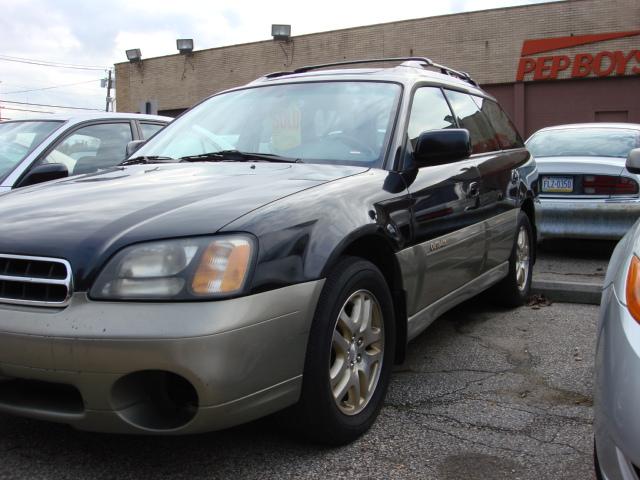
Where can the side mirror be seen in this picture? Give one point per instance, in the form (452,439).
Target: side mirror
(44,173)
(442,146)
(133,146)
(633,161)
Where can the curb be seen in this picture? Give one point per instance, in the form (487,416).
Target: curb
(568,292)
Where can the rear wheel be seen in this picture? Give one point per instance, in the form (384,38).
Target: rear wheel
(515,288)
(349,355)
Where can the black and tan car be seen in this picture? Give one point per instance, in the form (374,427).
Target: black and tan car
(273,249)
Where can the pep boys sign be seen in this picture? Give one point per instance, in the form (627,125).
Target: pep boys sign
(601,64)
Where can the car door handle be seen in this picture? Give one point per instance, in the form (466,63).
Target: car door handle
(473,190)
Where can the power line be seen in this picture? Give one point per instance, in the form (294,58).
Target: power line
(51,106)
(51,62)
(49,88)
(45,63)
(25,110)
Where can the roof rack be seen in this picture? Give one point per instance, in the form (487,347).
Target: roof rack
(407,61)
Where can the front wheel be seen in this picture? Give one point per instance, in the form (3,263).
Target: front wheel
(350,354)
(514,290)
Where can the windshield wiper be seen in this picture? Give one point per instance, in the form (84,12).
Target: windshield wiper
(147,159)
(238,156)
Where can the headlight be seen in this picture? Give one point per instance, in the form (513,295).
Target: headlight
(184,269)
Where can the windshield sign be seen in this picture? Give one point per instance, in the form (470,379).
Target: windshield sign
(583,142)
(319,122)
(19,139)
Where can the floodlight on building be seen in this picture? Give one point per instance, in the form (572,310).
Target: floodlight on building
(281,32)
(185,45)
(134,55)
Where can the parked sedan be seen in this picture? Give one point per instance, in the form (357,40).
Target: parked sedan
(585,189)
(617,384)
(34,151)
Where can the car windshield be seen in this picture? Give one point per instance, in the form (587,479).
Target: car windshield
(583,142)
(315,122)
(19,139)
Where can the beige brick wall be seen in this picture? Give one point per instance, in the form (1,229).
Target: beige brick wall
(487,44)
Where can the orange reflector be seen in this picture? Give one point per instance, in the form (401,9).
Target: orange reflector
(633,288)
(222,268)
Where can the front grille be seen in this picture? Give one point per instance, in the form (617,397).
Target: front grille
(36,281)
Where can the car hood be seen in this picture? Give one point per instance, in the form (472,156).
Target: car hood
(581,165)
(85,219)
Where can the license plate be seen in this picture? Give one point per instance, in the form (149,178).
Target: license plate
(557,184)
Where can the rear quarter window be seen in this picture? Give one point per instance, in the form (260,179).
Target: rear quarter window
(506,133)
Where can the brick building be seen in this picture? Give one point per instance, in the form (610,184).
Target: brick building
(567,61)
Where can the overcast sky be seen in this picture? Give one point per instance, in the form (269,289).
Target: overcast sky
(96,33)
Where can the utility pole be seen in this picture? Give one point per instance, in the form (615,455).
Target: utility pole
(108,91)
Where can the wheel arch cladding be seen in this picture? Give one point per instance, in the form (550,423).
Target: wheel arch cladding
(377,250)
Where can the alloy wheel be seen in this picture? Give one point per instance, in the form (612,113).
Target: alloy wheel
(357,351)
(522,258)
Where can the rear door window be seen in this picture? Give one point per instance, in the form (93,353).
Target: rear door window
(469,116)
(149,129)
(506,132)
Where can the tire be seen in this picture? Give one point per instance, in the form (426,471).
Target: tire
(321,415)
(513,290)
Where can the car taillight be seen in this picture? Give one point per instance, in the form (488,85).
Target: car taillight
(633,288)
(608,185)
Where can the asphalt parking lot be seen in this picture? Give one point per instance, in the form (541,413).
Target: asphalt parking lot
(484,394)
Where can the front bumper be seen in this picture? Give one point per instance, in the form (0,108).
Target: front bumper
(105,364)
(577,218)
(617,390)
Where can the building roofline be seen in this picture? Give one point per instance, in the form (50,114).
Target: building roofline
(359,27)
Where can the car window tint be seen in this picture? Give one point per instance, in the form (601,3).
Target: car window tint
(506,132)
(149,129)
(429,111)
(483,137)
(92,147)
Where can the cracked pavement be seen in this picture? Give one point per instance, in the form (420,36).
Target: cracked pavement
(569,261)
(485,393)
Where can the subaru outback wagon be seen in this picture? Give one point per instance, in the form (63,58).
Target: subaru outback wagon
(273,249)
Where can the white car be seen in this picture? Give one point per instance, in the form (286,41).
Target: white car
(38,150)
(585,189)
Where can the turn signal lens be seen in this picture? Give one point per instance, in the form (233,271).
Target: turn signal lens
(223,267)
(633,288)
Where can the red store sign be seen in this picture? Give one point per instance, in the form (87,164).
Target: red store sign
(601,64)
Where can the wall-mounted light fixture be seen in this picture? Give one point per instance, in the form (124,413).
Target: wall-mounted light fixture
(281,32)
(185,45)
(134,55)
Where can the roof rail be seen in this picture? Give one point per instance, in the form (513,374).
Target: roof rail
(421,61)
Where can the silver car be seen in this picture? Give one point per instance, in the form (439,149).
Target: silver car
(617,383)
(585,189)
(37,150)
